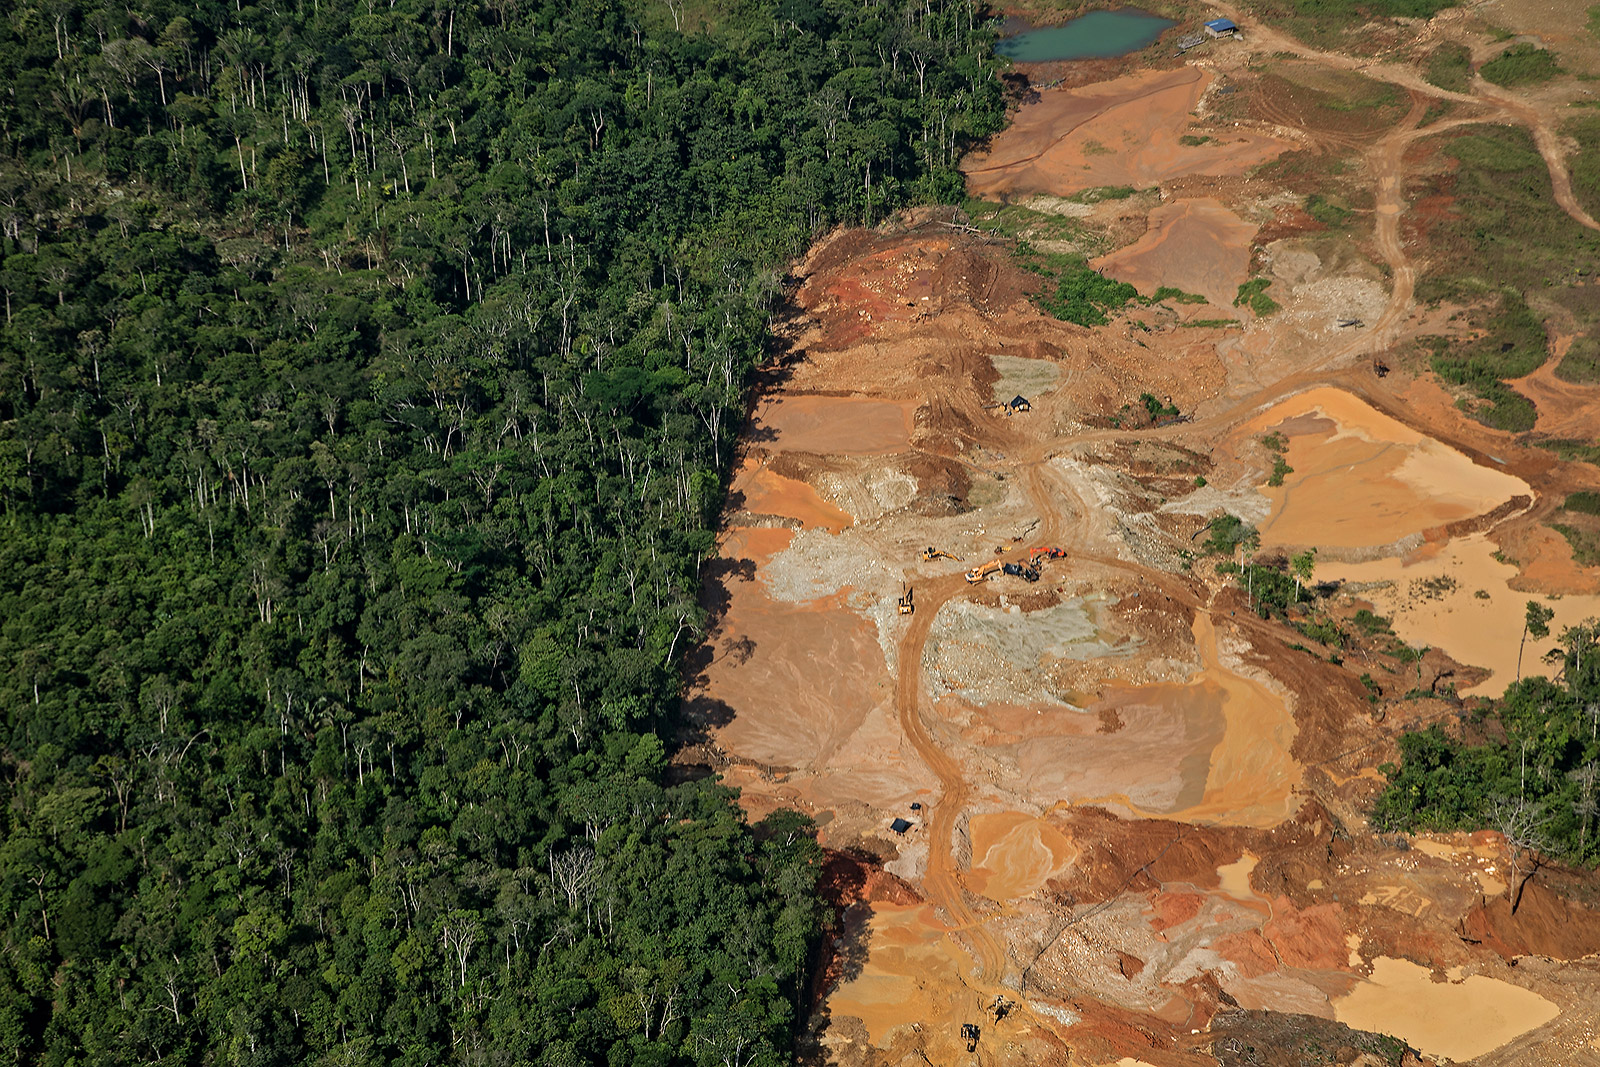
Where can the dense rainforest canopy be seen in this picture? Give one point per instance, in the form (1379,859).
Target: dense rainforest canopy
(367,384)
(1527,765)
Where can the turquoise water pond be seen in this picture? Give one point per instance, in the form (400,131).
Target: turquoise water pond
(1092,36)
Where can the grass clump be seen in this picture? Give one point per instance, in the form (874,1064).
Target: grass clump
(1449,67)
(1192,140)
(1573,451)
(1372,624)
(1156,408)
(1581,364)
(1585,542)
(1585,502)
(1326,211)
(1077,293)
(1168,292)
(1102,193)
(1584,164)
(1521,64)
(1253,294)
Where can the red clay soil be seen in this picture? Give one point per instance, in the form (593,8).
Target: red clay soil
(1545,924)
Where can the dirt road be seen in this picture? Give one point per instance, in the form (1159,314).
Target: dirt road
(1186,760)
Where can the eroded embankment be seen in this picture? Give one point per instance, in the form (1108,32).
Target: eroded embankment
(1127,805)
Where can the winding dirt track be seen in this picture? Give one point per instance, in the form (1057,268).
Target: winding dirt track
(1483,93)
(943,881)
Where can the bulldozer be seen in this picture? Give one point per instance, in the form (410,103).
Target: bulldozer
(930,554)
(905,603)
(971,1032)
(981,572)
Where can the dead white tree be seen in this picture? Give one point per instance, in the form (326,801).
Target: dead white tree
(1521,822)
(458,933)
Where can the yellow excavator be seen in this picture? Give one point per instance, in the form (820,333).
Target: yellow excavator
(905,603)
(981,572)
(930,554)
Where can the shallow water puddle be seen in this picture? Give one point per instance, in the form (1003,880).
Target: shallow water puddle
(1433,599)
(1014,853)
(1362,480)
(1252,774)
(1240,775)
(1234,878)
(1458,1020)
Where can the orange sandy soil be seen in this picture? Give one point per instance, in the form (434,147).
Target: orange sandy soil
(1140,828)
(1124,132)
(1196,245)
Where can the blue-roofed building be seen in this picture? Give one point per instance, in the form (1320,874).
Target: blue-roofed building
(1221,28)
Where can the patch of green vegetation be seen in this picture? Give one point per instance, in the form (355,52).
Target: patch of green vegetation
(1506,233)
(1584,164)
(1213,323)
(1271,589)
(1369,96)
(1436,111)
(1449,67)
(1585,502)
(1348,9)
(1594,21)
(1156,408)
(1167,292)
(1229,532)
(1199,481)
(1326,211)
(1513,345)
(1277,444)
(1091,147)
(1014,220)
(1585,542)
(1102,193)
(1077,294)
(1193,140)
(1371,624)
(1322,629)
(1581,364)
(1485,151)
(1404,652)
(1521,64)
(1253,294)
(1484,777)
(1573,451)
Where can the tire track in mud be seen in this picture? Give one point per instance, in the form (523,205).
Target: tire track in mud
(942,882)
